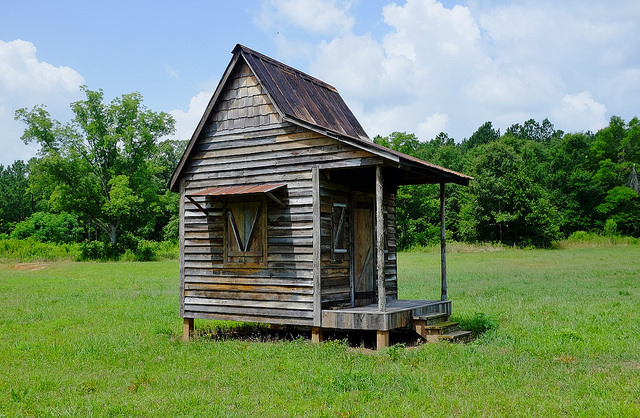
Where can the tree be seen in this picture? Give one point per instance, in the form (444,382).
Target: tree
(608,142)
(534,131)
(16,203)
(622,205)
(102,162)
(630,151)
(504,203)
(399,141)
(485,134)
(633,182)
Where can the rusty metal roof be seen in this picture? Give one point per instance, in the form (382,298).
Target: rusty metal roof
(315,105)
(239,190)
(302,97)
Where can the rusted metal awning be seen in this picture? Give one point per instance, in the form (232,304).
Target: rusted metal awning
(237,190)
(221,191)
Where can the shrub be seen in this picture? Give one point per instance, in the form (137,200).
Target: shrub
(94,250)
(146,251)
(49,227)
(589,239)
(610,228)
(171,230)
(580,236)
(168,250)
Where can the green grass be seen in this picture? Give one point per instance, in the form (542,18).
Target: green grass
(82,339)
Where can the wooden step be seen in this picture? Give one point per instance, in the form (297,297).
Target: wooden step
(432,318)
(426,329)
(441,325)
(456,336)
(452,336)
(440,328)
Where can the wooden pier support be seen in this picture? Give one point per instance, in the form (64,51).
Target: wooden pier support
(382,339)
(187,329)
(316,335)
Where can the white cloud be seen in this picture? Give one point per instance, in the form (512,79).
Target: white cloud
(454,68)
(580,112)
(171,72)
(20,71)
(186,122)
(323,17)
(26,81)
(433,125)
(409,75)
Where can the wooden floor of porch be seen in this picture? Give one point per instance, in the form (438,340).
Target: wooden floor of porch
(398,314)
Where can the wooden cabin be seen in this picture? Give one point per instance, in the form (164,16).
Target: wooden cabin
(287,209)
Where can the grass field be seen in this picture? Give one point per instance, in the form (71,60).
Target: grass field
(101,339)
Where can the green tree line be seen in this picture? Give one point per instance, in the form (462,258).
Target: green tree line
(102,177)
(532,185)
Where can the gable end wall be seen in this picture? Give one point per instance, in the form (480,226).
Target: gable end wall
(245,142)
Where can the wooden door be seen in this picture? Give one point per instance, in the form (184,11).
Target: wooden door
(363,261)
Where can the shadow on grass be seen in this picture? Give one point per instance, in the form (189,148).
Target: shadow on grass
(255,332)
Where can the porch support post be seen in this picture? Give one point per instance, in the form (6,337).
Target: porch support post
(317,282)
(443,248)
(382,296)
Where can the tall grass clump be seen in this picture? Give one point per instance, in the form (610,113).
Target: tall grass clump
(31,250)
(584,239)
(455,247)
(478,323)
(152,251)
(28,250)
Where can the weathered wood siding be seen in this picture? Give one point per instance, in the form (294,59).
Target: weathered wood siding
(245,142)
(390,259)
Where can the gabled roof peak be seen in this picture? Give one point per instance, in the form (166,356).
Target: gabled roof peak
(300,98)
(283,67)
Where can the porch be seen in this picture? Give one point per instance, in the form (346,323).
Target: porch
(379,310)
(428,318)
(399,314)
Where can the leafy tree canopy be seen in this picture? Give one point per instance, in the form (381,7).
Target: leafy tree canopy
(101,163)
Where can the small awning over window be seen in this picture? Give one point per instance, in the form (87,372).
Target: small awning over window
(266,189)
(239,190)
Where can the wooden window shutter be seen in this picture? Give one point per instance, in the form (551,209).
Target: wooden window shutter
(338,231)
(245,232)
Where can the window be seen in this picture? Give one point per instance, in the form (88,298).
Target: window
(245,232)
(338,232)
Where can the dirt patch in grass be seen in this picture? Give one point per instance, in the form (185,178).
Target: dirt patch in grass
(633,365)
(30,266)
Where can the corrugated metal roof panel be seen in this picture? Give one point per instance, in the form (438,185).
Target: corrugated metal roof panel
(239,190)
(302,96)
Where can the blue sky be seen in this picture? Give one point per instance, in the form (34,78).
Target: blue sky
(420,66)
